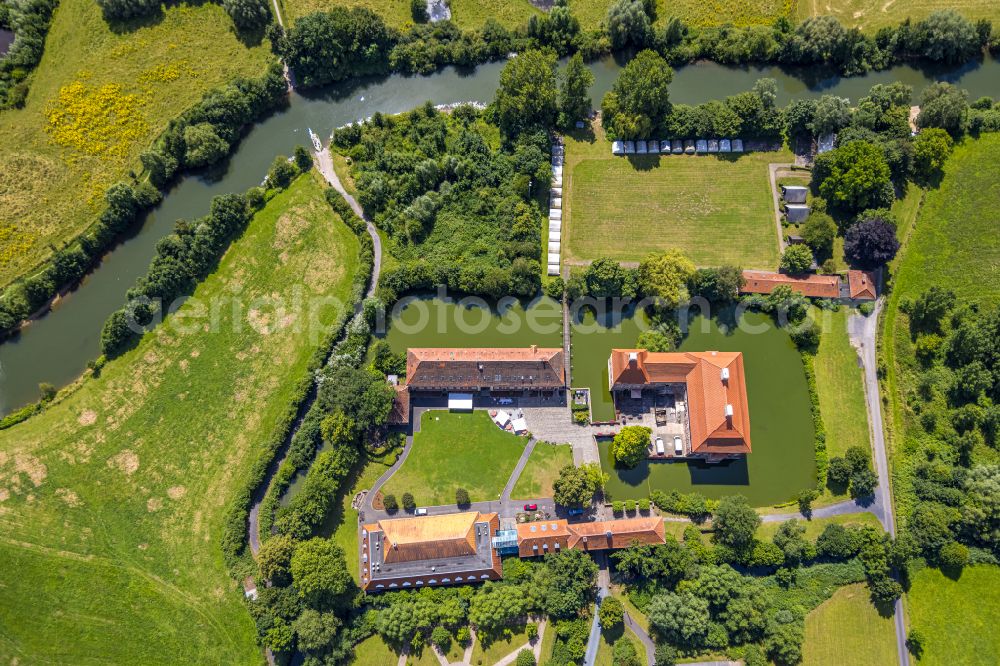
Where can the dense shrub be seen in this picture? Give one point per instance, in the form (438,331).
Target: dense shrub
(29,20)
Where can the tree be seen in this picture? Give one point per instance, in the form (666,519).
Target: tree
(319,571)
(280,636)
(441,637)
(719,586)
(838,472)
(915,642)
(574,91)
(930,151)
(493,606)
(462,497)
(819,233)
(573,487)
(929,309)
(831,114)
(525,657)
(390,503)
(863,483)
(735,522)
(605,278)
(315,630)
(837,542)
(610,613)
(399,621)
(282,173)
(203,145)
(665,277)
(665,655)
(248,14)
(630,445)
(274,558)
(805,499)
(682,619)
(526,98)
(623,653)
(639,101)
(418,11)
(719,285)
(870,243)
(945,106)
(655,341)
(324,47)
(628,24)
(953,555)
(796,259)
(784,642)
(409,504)
(122,10)
(790,538)
(854,177)
(798,117)
(564,583)
(949,37)
(303,160)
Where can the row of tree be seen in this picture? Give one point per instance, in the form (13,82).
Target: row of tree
(248,16)
(29,20)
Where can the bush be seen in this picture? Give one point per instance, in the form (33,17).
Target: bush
(441,638)
(617,507)
(390,503)
(409,504)
(866,308)
(953,555)
(462,497)
(581,417)
(532,631)
(611,613)
(525,658)
(644,504)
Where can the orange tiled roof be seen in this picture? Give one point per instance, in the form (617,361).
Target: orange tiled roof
(861,285)
(411,539)
(813,286)
(708,394)
(499,368)
(400,413)
(539,538)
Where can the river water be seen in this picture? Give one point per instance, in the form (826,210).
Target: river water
(57,347)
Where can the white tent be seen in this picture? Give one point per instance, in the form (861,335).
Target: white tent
(713,146)
(553,269)
(520,425)
(460,402)
(556,202)
(640,147)
(701,146)
(725,146)
(557,170)
(555,225)
(554,247)
(653,146)
(737,145)
(555,214)
(502,418)
(617,147)
(553,258)
(629,147)
(554,236)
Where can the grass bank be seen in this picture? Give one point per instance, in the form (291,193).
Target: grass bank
(112,501)
(847,630)
(870,15)
(718,209)
(453,451)
(98,98)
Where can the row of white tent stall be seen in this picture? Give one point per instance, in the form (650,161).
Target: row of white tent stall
(676,147)
(555,208)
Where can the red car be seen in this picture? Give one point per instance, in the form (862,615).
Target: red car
(530,507)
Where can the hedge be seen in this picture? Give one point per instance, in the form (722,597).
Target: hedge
(822,460)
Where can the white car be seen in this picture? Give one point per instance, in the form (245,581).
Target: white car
(659,446)
(678,445)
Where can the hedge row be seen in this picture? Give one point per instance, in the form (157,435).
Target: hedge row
(822,460)
(30,23)
(201,135)
(234,539)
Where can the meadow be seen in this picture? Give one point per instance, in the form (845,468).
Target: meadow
(467,14)
(98,98)
(715,208)
(847,630)
(112,501)
(870,15)
(452,451)
(542,470)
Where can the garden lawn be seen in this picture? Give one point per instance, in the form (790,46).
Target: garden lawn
(501,646)
(542,469)
(957,618)
(815,527)
(870,15)
(847,630)
(454,451)
(716,209)
(374,652)
(840,387)
(605,649)
(120,89)
(112,500)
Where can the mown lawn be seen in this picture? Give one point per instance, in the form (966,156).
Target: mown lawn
(542,469)
(605,649)
(119,88)
(717,209)
(714,12)
(816,526)
(847,630)
(957,618)
(454,451)
(840,387)
(500,646)
(870,15)
(112,500)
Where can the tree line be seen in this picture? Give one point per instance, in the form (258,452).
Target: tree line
(29,20)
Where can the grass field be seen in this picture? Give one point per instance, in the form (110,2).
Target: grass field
(112,500)
(500,646)
(542,469)
(848,631)
(957,617)
(717,209)
(840,387)
(454,451)
(816,526)
(870,15)
(467,14)
(119,89)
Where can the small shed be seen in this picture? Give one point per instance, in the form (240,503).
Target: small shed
(796,213)
(553,258)
(826,142)
(701,146)
(737,145)
(713,146)
(630,148)
(794,194)
(677,146)
(653,147)
(617,147)
(689,147)
(555,214)
(555,225)
(725,146)
(664,146)
(557,191)
(553,269)
(555,236)
(460,402)
(796,240)
(640,147)
(520,426)
(557,170)
(553,247)
(556,202)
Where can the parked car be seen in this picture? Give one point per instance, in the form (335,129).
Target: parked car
(660,450)
(421,512)
(531,507)
(678,445)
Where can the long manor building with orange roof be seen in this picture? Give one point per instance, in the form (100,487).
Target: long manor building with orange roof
(705,392)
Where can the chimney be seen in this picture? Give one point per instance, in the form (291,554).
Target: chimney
(633,359)
(725,374)
(729,415)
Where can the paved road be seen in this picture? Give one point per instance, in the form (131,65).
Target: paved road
(603,590)
(863,331)
(647,643)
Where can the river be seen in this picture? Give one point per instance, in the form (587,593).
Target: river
(56,348)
